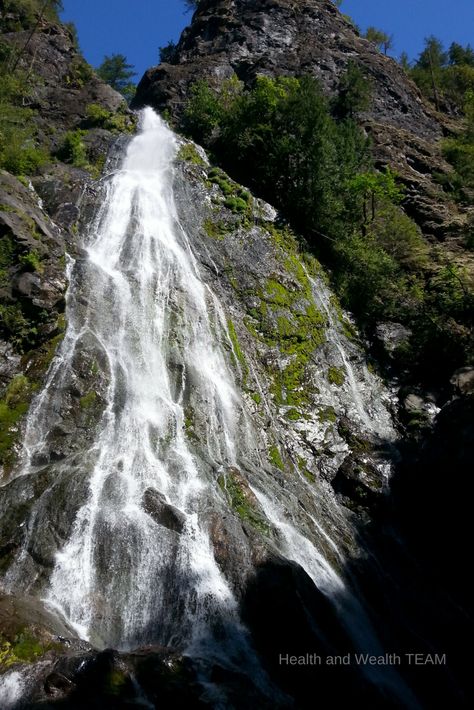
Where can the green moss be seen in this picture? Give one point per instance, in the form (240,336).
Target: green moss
(89,400)
(336,376)
(190,154)
(115,682)
(256,397)
(306,473)
(189,423)
(244,195)
(241,500)
(236,205)
(328,414)
(277,294)
(24,648)
(293,415)
(275,457)
(226,187)
(13,407)
(215,230)
(237,351)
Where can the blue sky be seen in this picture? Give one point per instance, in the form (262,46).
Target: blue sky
(137,28)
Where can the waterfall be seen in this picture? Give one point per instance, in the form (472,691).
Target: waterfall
(364,396)
(134,563)
(124,578)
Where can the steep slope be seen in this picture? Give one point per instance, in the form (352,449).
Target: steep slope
(184,452)
(284,37)
(204,470)
(54,89)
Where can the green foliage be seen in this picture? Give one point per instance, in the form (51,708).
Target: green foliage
(167,53)
(203,113)
(100,117)
(445,77)
(459,152)
(23,14)
(73,149)
(80,72)
(353,94)
(31,261)
(381,39)
(309,157)
(116,72)
(19,152)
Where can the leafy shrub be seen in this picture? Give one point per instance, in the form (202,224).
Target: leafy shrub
(73,149)
(19,153)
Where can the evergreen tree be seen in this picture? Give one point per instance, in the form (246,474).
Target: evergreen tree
(116,72)
(381,39)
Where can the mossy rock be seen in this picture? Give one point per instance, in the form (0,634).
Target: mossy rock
(336,376)
(190,154)
(13,408)
(275,457)
(242,500)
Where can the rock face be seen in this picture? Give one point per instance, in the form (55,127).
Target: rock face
(290,520)
(40,216)
(297,37)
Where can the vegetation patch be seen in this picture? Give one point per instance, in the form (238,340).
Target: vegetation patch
(327,414)
(119,122)
(308,156)
(336,376)
(190,154)
(236,349)
(275,457)
(24,648)
(88,400)
(13,407)
(242,500)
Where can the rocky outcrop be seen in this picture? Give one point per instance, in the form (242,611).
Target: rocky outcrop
(67,84)
(284,37)
(40,215)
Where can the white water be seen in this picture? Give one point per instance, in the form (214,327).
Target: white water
(123,579)
(11,690)
(367,402)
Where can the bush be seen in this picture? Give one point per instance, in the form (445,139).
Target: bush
(19,153)
(73,149)
(309,158)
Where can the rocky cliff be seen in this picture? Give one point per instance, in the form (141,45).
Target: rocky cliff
(39,213)
(301,525)
(293,38)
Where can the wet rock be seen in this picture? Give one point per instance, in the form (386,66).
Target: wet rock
(414,404)
(463,380)
(392,336)
(155,505)
(360,484)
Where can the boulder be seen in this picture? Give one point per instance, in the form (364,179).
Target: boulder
(155,505)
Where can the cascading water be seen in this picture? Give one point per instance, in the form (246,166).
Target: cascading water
(121,579)
(136,564)
(368,401)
